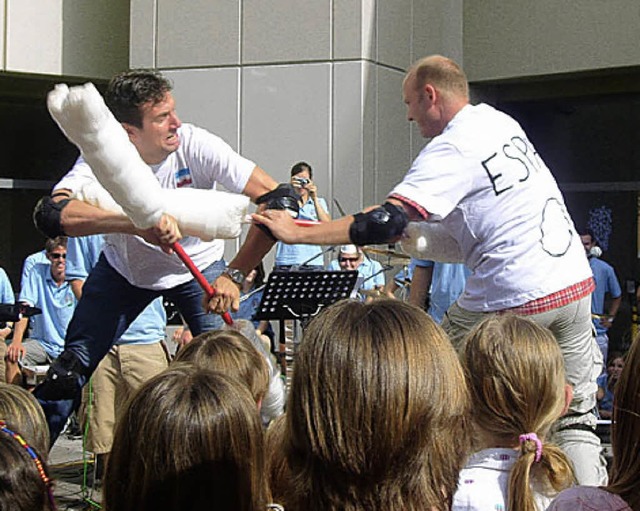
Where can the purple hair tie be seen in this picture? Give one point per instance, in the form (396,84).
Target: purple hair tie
(533,437)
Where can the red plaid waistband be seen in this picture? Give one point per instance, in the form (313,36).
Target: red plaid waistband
(555,300)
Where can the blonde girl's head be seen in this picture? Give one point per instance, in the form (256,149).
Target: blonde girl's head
(516,376)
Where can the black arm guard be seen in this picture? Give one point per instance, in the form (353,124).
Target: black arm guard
(381,225)
(46,216)
(283,197)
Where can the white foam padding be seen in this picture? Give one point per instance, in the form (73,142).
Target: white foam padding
(127,184)
(207,214)
(430,240)
(87,122)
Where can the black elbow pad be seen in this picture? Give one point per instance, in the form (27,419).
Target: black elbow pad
(383,224)
(46,216)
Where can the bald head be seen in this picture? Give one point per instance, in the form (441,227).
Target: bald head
(434,90)
(441,72)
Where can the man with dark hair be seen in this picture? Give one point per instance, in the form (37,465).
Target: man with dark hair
(606,284)
(137,265)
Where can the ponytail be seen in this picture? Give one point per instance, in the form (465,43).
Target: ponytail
(549,466)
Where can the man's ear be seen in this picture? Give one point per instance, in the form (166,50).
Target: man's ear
(568,397)
(130,129)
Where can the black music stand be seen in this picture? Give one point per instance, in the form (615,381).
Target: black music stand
(300,295)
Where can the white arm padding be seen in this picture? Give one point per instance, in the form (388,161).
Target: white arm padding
(430,240)
(83,117)
(207,214)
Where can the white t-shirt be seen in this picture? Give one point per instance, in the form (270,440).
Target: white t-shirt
(483,482)
(202,161)
(483,179)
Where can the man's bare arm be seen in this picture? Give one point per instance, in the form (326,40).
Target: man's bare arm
(79,218)
(334,232)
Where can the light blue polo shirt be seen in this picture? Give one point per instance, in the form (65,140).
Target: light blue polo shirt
(6,291)
(606,282)
(82,255)
(447,284)
(57,304)
(367,268)
(302,253)
(29,262)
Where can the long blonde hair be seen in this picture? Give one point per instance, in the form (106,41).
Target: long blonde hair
(229,352)
(516,376)
(377,413)
(190,438)
(624,477)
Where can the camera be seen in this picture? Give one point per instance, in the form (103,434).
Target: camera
(301,181)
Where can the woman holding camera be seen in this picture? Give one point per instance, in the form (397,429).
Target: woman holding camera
(312,207)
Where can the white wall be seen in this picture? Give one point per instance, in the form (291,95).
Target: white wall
(65,37)
(523,38)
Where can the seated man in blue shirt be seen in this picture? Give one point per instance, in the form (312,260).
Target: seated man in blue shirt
(47,288)
(370,272)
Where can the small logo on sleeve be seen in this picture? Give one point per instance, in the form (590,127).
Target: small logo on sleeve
(183,177)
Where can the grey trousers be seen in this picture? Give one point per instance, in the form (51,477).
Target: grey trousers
(573,329)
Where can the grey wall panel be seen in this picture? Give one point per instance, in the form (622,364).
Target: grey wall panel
(525,38)
(393,134)
(354,29)
(286,30)
(204,34)
(142,32)
(347,136)
(437,28)
(394,33)
(209,98)
(286,118)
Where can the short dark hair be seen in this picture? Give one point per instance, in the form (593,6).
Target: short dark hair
(588,232)
(301,166)
(128,91)
(51,243)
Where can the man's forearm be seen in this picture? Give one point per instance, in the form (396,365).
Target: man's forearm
(254,248)
(334,232)
(19,330)
(80,219)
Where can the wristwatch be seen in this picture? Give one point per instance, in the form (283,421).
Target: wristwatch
(236,275)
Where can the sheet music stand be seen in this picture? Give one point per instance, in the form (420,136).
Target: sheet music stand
(300,295)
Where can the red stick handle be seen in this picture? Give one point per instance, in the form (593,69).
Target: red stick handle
(197,274)
(306,223)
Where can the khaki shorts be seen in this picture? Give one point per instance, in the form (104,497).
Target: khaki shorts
(125,368)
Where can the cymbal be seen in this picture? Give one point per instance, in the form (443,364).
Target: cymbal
(386,252)
(373,294)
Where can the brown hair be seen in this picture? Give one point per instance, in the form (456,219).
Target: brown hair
(377,412)
(51,243)
(516,377)
(624,476)
(278,474)
(20,410)
(441,72)
(22,486)
(232,353)
(190,437)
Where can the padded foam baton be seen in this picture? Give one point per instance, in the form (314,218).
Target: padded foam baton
(197,274)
